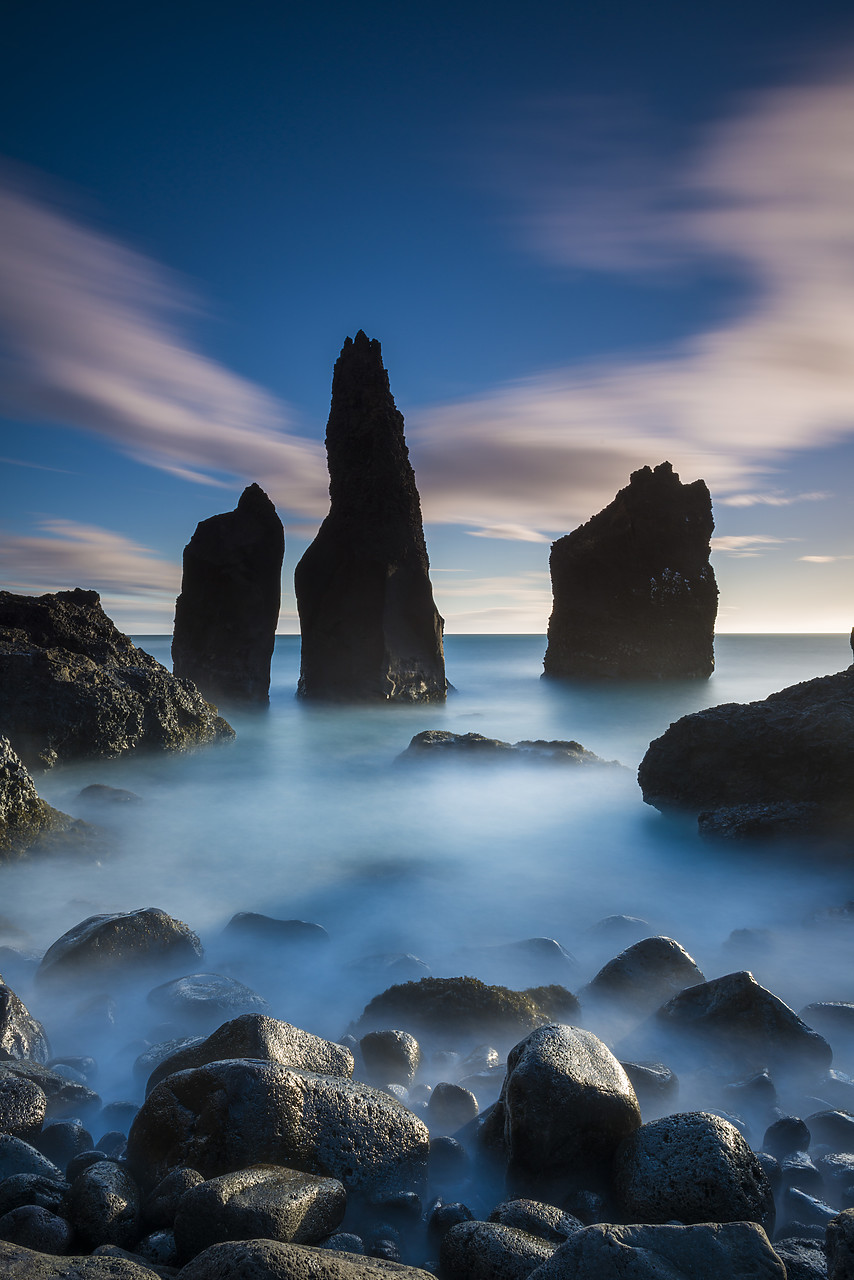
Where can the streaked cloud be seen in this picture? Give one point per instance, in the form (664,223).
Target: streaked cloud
(746,544)
(771,499)
(90,339)
(68,554)
(509,533)
(824,559)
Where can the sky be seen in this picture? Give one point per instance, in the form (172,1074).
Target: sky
(589,238)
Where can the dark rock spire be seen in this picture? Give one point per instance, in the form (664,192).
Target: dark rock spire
(226,614)
(634,594)
(370,629)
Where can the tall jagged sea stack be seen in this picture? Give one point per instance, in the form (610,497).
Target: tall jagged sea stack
(370,629)
(635,596)
(226,614)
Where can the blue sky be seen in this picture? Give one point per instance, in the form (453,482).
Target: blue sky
(588,237)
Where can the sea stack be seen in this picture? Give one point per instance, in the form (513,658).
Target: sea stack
(226,614)
(635,596)
(370,629)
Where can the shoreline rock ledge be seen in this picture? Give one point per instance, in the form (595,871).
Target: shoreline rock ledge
(635,596)
(370,629)
(73,687)
(226,614)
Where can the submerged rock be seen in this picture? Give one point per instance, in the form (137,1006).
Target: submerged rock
(73,687)
(147,938)
(643,976)
(783,764)
(634,594)
(441,744)
(226,614)
(370,629)
(29,824)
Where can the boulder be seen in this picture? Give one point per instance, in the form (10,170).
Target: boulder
(64,1097)
(161,1206)
(803,1258)
(22,1107)
(449,1107)
(36,1228)
(370,630)
(147,938)
(202,1000)
(441,744)
(466,1010)
(655,1085)
(537,1218)
(265,1201)
(839,1240)
(21,1036)
(226,614)
(228,1115)
(104,1206)
(692,1166)
(491,1251)
(255,927)
(566,1105)
(254,1035)
(29,824)
(643,976)
(743,1025)
(635,596)
(33,1189)
(274,1260)
(710,1251)
(72,687)
(787,760)
(17,1156)
(20,1263)
(390,1056)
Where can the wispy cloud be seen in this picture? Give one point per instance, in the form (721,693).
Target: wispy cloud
(767,192)
(746,544)
(68,554)
(775,499)
(90,339)
(509,533)
(824,559)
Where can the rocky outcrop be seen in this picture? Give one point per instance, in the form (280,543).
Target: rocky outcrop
(73,687)
(780,765)
(441,744)
(635,597)
(226,614)
(29,824)
(370,629)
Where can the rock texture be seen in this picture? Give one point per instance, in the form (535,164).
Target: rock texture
(29,824)
(146,938)
(441,744)
(370,629)
(634,594)
(73,687)
(737,1250)
(790,756)
(226,614)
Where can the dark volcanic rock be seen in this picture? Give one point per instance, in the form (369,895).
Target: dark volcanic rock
(634,594)
(21,1036)
(370,629)
(73,687)
(226,614)
(29,824)
(440,744)
(708,1251)
(782,764)
(146,938)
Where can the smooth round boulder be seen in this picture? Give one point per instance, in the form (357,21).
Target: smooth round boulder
(202,1000)
(567,1104)
(23,1106)
(159,1210)
(544,1220)
(257,928)
(35,1189)
(449,1107)
(37,1228)
(491,1251)
(274,1260)
(17,1156)
(62,1140)
(101,944)
(229,1115)
(708,1251)
(263,1202)
(643,976)
(254,1035)
(103,1206)
(21,1035)
(693,1167)
(64,1097)
(390,1056)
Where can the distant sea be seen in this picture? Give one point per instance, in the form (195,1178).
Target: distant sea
(307,815)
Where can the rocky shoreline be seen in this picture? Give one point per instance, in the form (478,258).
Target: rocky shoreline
(656,1122)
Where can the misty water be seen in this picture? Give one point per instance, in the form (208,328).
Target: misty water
(308,815)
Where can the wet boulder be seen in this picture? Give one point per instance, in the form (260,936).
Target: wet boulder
(202,1000)
(643,976)
(129,940)
(546,1221)
(566,1105)
(64,1097)
(441,744)
(449,1107)
(160,1207)
(226,614)
(390,1056)
(29,824)
(275,1260)
(464,1010)
(655,1085)
(692,1166)
(22,1107)
(254,1035)
(736,1021)
(707,1251)
(36,1228)
(265,1201)
(634,593)
(228,1115)
(794,748)
(104,1206)
(21,1035)
(17,1156)
(370,630)
(839,1239)
(46,1191)
(19,1263)
(253,927)
(491,1251)
(73,687)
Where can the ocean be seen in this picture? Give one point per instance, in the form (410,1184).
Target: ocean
(309,815)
